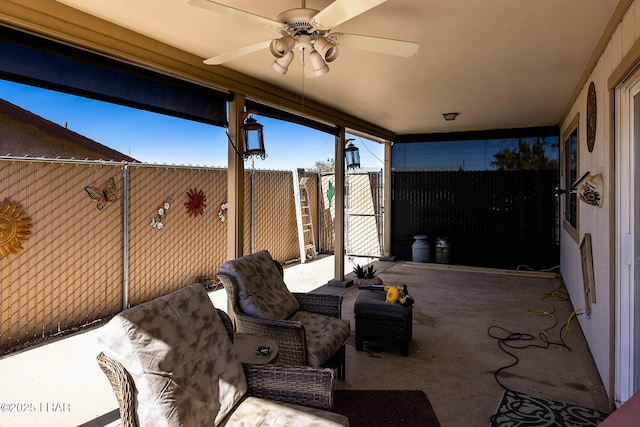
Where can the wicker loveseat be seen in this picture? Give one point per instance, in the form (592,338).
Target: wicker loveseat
(307,327)
(171,362)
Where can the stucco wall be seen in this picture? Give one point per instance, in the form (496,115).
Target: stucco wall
(600,222)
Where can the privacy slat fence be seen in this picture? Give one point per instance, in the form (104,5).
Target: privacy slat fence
(501,219)
(327,212)
(364,214)
(363,217)
(74,266)
(274,217)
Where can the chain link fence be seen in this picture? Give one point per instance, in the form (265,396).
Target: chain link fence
(81,264)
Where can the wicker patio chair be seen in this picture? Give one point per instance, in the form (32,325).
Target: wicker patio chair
(307,327)
(122,383)
(309,388)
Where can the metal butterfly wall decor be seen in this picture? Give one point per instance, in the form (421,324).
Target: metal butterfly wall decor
(102,196)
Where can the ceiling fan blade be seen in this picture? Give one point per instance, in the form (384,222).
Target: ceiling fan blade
(225,57)
(342,10)
(231,11)
(376,44)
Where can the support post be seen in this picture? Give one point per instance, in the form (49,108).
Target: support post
(235,181)
(339,166)
(386,220)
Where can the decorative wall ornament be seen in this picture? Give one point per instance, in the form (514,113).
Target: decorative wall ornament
(588,278)
(330,192)
(592,116)
(161,212)
(196,203)
(590,190)
(222,213)
(15,226)
(102,196)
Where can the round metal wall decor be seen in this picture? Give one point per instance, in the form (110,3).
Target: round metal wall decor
(592,115)
(15,227)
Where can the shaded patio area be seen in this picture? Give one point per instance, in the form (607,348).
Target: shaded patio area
(452,358)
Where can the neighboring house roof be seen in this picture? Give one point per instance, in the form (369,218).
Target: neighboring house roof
(70,144)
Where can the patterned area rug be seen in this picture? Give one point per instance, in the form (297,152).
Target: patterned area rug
(519,409)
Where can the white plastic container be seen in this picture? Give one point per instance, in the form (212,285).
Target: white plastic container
(421,249)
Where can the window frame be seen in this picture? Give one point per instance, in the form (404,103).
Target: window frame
(567,179)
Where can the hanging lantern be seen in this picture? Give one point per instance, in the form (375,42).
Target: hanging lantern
(352,155)
(253,139)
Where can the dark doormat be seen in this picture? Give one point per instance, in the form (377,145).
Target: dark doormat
(519,409)
(373,408)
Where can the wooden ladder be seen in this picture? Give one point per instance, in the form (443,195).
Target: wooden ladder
(306,236)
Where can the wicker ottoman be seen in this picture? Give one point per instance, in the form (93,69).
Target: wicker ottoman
(379,321)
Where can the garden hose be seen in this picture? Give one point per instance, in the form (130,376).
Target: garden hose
(509,341)
(559,294)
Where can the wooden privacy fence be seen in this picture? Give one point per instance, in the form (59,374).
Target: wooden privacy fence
(80,263)
(499,219)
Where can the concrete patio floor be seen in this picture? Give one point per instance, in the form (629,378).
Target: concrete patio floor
(451,357)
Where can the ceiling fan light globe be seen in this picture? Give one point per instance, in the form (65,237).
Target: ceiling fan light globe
(280,47)
(332,54)
(317,64)
(328,50)
(281,65)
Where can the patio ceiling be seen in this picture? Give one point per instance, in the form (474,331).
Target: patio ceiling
(498,63)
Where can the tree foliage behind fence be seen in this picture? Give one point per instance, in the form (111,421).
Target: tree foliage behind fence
(499,219)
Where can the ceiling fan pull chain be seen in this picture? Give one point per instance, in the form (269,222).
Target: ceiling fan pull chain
(303,79)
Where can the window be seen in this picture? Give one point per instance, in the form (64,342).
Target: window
(570,174)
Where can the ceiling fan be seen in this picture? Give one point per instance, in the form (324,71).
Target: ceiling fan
(309,31)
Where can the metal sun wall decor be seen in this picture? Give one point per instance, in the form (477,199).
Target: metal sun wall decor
(15,226)
(196,202)
(158,220)
(102,196)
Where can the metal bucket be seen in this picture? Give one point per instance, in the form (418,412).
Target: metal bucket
(420,249)
(443,255)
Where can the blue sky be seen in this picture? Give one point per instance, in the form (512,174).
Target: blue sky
(156,138)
